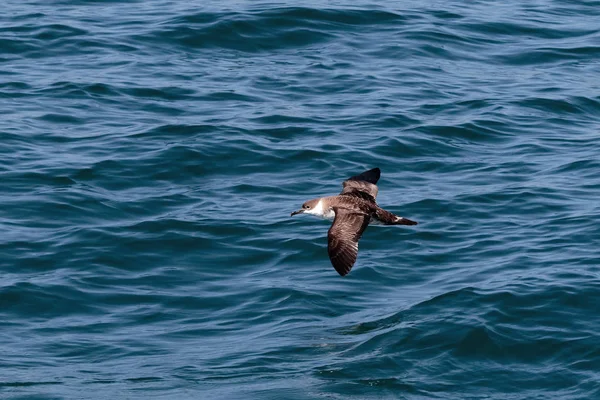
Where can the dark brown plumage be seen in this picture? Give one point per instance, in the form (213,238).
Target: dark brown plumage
(352,211)
(343,236)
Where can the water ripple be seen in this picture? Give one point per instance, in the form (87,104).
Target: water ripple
(152,154)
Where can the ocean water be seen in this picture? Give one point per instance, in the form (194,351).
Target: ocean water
(151,153)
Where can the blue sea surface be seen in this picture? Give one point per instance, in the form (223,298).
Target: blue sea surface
(151,153)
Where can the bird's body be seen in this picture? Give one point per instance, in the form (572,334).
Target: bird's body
(378,216)
(351,211)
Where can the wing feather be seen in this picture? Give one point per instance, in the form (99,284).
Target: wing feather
(363,185)
(343,236)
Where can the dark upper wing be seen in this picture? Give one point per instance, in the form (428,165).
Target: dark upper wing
(342,239)
(363,185)
(371,176)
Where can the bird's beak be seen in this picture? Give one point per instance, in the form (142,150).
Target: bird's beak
(296,212)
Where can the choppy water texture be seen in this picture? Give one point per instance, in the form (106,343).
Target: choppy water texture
(151,153)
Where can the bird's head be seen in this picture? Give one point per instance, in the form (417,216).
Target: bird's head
(309,207)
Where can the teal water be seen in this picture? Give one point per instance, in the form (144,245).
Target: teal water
(151,153)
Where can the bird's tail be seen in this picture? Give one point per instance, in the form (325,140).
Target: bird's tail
(404,221)
(389,218)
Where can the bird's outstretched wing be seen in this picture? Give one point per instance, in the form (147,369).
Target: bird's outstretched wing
(363,185)
(342,238)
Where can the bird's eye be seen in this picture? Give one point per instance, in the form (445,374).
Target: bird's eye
(306,207)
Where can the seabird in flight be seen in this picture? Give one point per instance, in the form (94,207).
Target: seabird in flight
(351,211)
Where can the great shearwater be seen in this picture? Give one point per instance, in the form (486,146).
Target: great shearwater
(351,211)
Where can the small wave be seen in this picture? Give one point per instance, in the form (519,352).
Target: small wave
(552,55)
(268,30)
